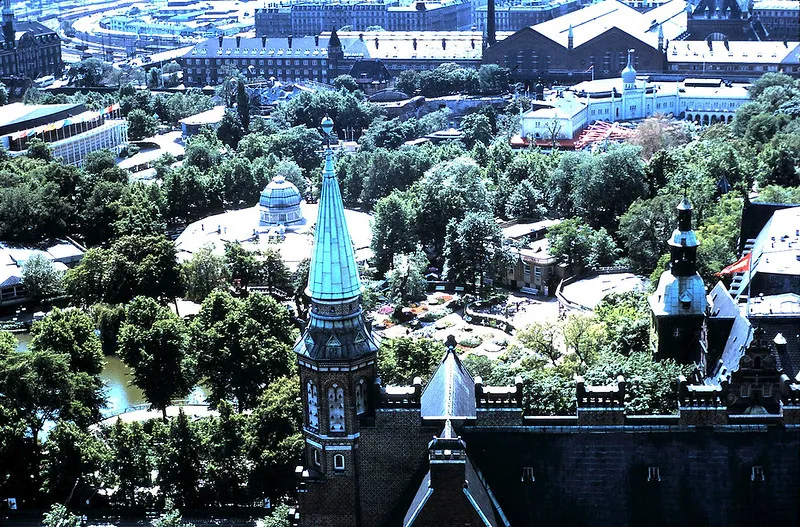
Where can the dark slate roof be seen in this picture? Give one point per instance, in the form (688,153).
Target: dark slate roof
(738,340)
(420,499)
(722,304)
(36,28)
(478,494)
(369,70)
(450,394)
(475,490)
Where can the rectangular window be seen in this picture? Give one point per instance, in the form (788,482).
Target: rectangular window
(526,270)
(653,474)
(537,274)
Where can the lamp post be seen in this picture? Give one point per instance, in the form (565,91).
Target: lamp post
(327,128)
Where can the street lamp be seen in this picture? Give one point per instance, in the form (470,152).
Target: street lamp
(327,128)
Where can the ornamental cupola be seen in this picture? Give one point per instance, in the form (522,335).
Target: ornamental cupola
(679,302)
(629,74)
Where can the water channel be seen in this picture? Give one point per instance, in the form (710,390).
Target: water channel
(120,393)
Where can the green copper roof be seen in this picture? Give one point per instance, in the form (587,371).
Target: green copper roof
(334,274)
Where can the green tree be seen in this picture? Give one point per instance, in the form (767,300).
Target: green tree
(70,332)
(40,278)
(243,106)
(493,78)
(141,125)
(59,516)
(129,464)
(230,129)
(345,82)
(153,342)
(273,440)
(38,149)
(577,245)
(203,273)
(407,277)
(391,231)
(582,336)
(625,319)
(242,265)
(542,338)
(241,346)
(179,461)
(171,517)
(476,129)
(471,247)
(645,228)
(227,467)
(402,359)
(72,458)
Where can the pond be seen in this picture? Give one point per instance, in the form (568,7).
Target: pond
(120,393)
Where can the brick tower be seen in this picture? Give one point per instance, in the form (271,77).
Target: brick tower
(679,302)
(336,358)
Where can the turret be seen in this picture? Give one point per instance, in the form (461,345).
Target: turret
(336,361)
(8,23)
(679,302)
(629,74)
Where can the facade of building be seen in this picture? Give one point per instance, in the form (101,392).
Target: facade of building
(780,18)
(63,254)
(367,56)
(28,49)
(312,18)
(592,42)
(535,269)
(703,101)
(71,131)
(733,59)
(285,59)
(461,453)
(513,17)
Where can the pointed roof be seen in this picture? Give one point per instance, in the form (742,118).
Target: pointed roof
(450,394)
(334,273)
(334,41)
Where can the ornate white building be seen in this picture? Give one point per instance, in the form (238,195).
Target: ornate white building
(704,101)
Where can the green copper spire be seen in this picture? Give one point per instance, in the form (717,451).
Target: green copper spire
(334,273)
(336,329)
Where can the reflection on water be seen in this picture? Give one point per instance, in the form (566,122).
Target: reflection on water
(120,393)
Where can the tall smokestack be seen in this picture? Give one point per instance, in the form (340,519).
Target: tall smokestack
(491,32)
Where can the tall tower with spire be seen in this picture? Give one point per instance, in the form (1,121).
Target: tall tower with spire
(336,357)
(8,23)
(679,302)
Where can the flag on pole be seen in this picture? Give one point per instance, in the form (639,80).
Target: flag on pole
(740,266)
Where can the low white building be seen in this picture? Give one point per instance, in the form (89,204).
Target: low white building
(704,101)
(62,253)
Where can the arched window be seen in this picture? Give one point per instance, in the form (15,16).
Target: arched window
(317,460)
(361,397)
(336,408)
(338,462)
(313,406)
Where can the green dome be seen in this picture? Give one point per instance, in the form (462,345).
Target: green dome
(280,203)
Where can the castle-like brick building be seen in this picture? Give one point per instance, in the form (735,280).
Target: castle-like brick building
(461,453)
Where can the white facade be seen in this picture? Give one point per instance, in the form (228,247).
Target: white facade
(704,101)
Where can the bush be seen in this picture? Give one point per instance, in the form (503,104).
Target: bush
(434,315)
(472,341)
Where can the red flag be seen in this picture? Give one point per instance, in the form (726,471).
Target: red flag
(741,265)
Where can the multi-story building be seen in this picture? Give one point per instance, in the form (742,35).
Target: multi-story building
(286,59)
(780,18)
(324,57)
(591,42)
(733,59)
(515,16)
(312,18)
(28,49)
(458,452)
(71,131)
